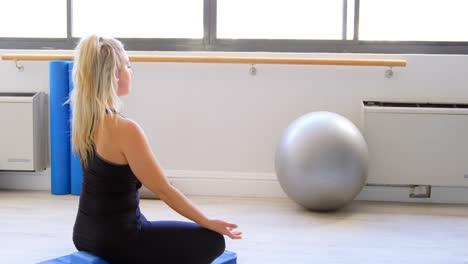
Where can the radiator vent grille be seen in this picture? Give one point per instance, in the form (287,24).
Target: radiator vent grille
(415,105)
(17,94)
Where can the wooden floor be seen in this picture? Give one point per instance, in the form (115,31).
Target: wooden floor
(35,226)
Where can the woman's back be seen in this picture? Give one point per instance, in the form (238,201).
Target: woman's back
(108,212)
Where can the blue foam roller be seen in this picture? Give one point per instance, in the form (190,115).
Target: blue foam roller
(83,257)
(76,174)
(59,127)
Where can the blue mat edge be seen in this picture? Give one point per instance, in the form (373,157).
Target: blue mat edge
(228,257)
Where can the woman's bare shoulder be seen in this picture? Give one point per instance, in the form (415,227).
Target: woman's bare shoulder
(132,140)
(129,130)
(125,124)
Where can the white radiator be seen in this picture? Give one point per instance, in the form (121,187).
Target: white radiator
(417,144)
(23,136)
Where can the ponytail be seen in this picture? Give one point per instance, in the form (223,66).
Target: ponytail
(97,60)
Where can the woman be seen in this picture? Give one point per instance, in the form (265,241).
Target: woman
(116,160)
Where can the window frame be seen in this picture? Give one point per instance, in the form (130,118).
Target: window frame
(210,42)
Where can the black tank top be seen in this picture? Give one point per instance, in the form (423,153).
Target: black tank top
(108,212)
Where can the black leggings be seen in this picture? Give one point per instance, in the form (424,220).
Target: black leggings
(161,242)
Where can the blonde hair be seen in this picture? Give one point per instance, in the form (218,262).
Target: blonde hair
(97,61)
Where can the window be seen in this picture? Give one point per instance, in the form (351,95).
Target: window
(138,18)
(351,26)
(33,19)
(415,20)
(279,19)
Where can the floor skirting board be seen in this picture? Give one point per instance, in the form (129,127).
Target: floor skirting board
(243,184)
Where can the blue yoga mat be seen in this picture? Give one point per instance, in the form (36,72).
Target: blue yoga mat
(76,174)
(83,257)
(59,127)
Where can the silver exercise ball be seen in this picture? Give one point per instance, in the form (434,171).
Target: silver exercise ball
(321,161)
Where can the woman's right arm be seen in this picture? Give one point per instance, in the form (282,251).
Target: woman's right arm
(135,147)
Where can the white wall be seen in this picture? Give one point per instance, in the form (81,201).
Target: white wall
(214,127)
